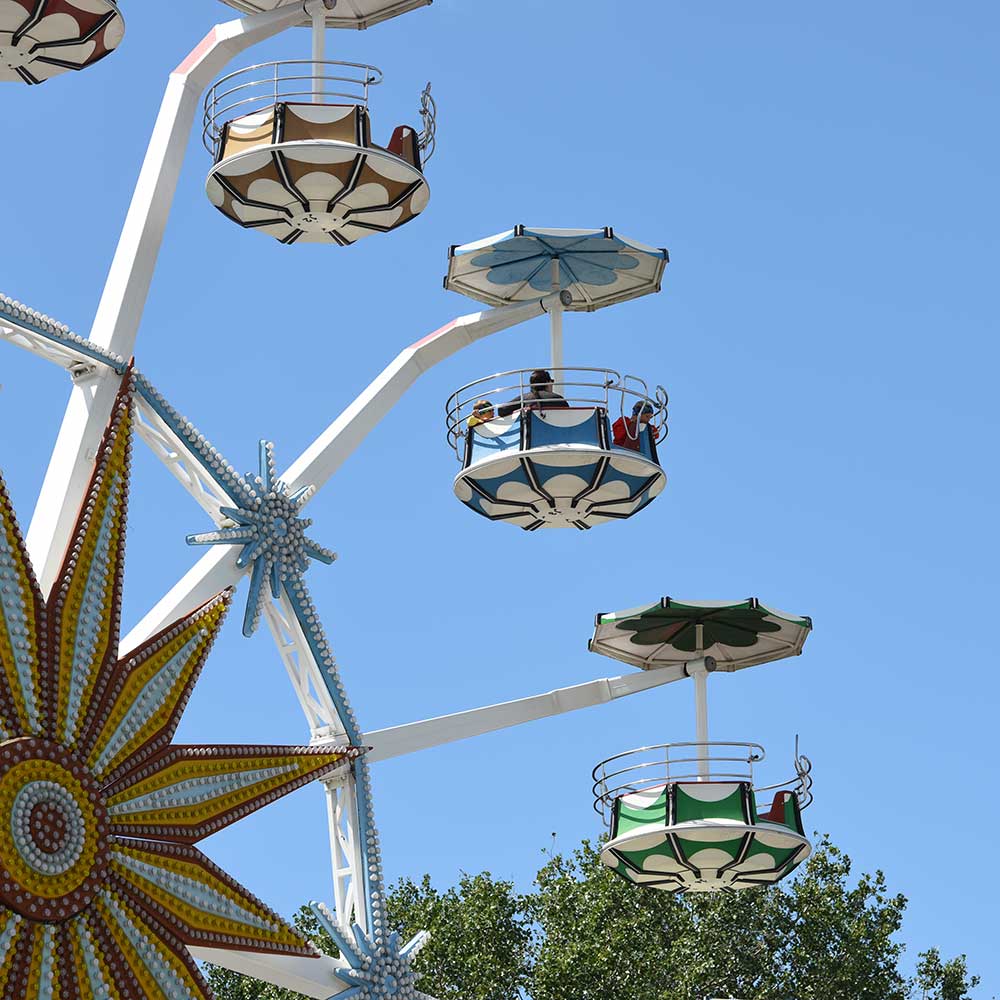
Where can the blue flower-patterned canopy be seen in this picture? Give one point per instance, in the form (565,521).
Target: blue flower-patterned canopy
(596,266)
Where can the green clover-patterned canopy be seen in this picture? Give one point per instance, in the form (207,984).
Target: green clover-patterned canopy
(675,632)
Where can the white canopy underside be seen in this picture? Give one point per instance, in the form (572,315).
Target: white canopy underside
(496,271)
(346,14)
(615,634)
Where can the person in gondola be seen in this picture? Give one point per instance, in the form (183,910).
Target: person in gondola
(540,396)
(625,431)
(482,413)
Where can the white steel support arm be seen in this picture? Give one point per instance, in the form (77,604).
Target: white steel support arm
(400,740)
(217,569)
(335,445)
(312,977)
(123,301)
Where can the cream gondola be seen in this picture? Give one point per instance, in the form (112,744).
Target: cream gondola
(40,39)
(295,154)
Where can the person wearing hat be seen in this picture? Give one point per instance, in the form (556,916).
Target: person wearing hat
(539,397)
(482,412)
(626,430)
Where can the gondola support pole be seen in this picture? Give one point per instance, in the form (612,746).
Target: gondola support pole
(557,328)
(318,52)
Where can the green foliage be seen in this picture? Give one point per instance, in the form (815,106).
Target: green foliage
(584,934)
(939,980)
(840,939)
(481,937)
(588,921)
(228,985)
(816,938)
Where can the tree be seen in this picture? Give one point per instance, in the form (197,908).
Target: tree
(584,934)
(481,937)
(480,945)
(939,980)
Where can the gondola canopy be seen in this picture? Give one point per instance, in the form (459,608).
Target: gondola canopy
(596,266)
(674,632)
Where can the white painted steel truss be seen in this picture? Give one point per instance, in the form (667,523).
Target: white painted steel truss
(34,332)
(345,847)
(180,462)
(303,671)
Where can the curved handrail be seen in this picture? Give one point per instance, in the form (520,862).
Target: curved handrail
(427,140)
(653,766)
(272,84)
(580,387)
(801,784)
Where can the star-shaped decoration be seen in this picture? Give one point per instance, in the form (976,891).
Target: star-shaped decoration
(101,888)
(273,536)
(380,967)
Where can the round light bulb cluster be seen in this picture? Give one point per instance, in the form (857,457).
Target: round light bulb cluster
(48,826)
(54,831)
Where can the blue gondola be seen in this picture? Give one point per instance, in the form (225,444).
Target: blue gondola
(537,465)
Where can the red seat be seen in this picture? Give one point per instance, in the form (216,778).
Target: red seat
(406,145)
(776,814)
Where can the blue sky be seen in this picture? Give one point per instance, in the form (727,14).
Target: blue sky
(825,178)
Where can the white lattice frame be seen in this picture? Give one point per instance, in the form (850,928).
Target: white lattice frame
(345,847)
(304,673)
(79,365)
(183,464)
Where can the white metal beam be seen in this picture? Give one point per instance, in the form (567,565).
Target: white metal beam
(120,311)
(400,740)
(335,445)
(217,569)
(312,977)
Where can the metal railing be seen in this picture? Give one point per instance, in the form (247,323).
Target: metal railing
(259,87)
(652,767)
(427,139)
(801,784)
(579,387)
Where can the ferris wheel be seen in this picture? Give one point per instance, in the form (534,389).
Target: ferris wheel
(104,892)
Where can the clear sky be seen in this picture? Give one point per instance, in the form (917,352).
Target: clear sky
(825,178)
